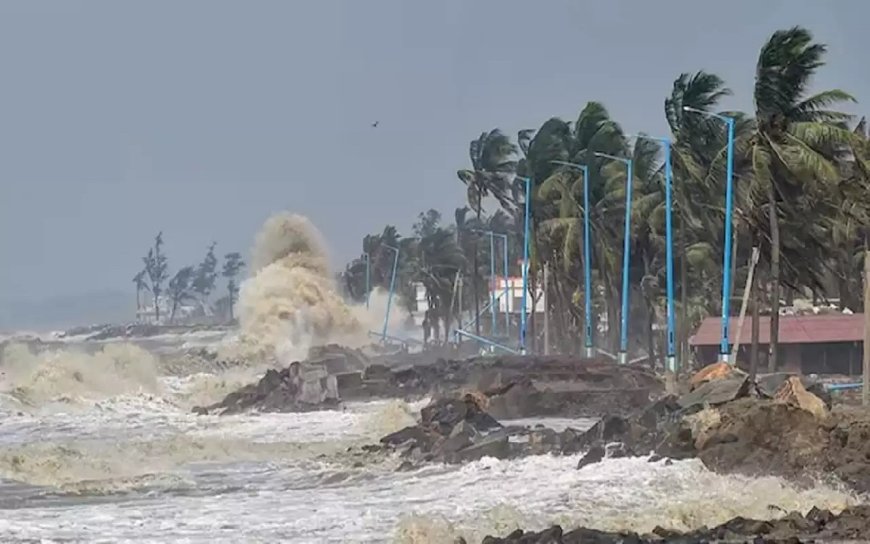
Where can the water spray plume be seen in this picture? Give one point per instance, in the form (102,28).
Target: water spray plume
(290,301)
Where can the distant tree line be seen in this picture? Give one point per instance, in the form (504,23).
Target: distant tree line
(189,284)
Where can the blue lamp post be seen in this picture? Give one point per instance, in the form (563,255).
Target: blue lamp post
(528,182)
(589,350)
(626,257)
(493,303)
(507,315)
(492,309)
(392,289)
(724,352)
(671,360)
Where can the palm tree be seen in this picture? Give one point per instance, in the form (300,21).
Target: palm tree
(141,285)
(695,143)
(791,171)
(492,168)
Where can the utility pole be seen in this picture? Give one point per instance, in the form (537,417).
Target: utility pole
(753,260)
(865,388)
(546,308)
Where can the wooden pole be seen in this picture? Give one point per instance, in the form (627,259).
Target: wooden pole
(753,260)
(865,389)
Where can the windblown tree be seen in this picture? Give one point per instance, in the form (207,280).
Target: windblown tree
(794,171)
(141,285)
(205,277)
(157,270)
(492,168)
(801,173)
(436,261)
(180,290)
(233,265)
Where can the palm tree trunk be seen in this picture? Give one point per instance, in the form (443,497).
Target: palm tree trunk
(531,333)
(774,279)
(650,335)
(755,296)
(684,297)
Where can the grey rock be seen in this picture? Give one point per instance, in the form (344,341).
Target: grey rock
(716,392)
(594,455)
(495,445)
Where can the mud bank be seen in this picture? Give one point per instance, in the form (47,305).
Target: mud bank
(816,526)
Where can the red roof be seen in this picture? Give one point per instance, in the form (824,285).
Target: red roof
(793,329)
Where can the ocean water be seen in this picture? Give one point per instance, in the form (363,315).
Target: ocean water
(91,456)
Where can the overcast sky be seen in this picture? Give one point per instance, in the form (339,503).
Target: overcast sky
(201,118)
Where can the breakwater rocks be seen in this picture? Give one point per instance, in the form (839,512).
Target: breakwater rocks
(312,384)
(515,386)
(816,526)
(458,430)
(775,426)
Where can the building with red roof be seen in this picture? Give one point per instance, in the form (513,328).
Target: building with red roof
(816,343)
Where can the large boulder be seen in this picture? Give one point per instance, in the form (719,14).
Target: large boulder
(715,392)
(793,393)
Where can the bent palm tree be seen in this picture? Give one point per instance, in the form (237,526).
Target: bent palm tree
(789,149)
(492,168)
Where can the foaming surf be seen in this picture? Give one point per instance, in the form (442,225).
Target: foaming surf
(67,375)
(101,444)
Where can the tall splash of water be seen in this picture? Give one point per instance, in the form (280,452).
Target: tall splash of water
(290,302)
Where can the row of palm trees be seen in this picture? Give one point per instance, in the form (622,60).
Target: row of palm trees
(802,173)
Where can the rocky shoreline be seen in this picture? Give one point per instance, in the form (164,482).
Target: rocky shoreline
(779,425)
(853,524)
(516,386)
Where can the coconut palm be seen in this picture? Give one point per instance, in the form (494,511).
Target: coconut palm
(492,168)
(792,170)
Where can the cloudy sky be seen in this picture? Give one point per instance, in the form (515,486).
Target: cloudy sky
(200,118)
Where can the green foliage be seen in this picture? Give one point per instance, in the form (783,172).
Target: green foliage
(157,270)
(802,173)
(204,279)
(180,289)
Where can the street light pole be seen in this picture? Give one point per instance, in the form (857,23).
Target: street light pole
(507,315)
(492,309)
(392,289)
(525,265)
(493,303)
(626,257)
(671,360)
(724,352)
(589,346)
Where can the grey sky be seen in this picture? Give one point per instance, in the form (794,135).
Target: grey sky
(201,118)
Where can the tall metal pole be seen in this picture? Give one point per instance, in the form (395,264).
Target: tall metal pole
(492,284)
(507,315)
(724,352)
(525,268)
(671,360)
(726,264)
(368,278)
(626,261)
(392,289)
(587,268)
(626,258)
